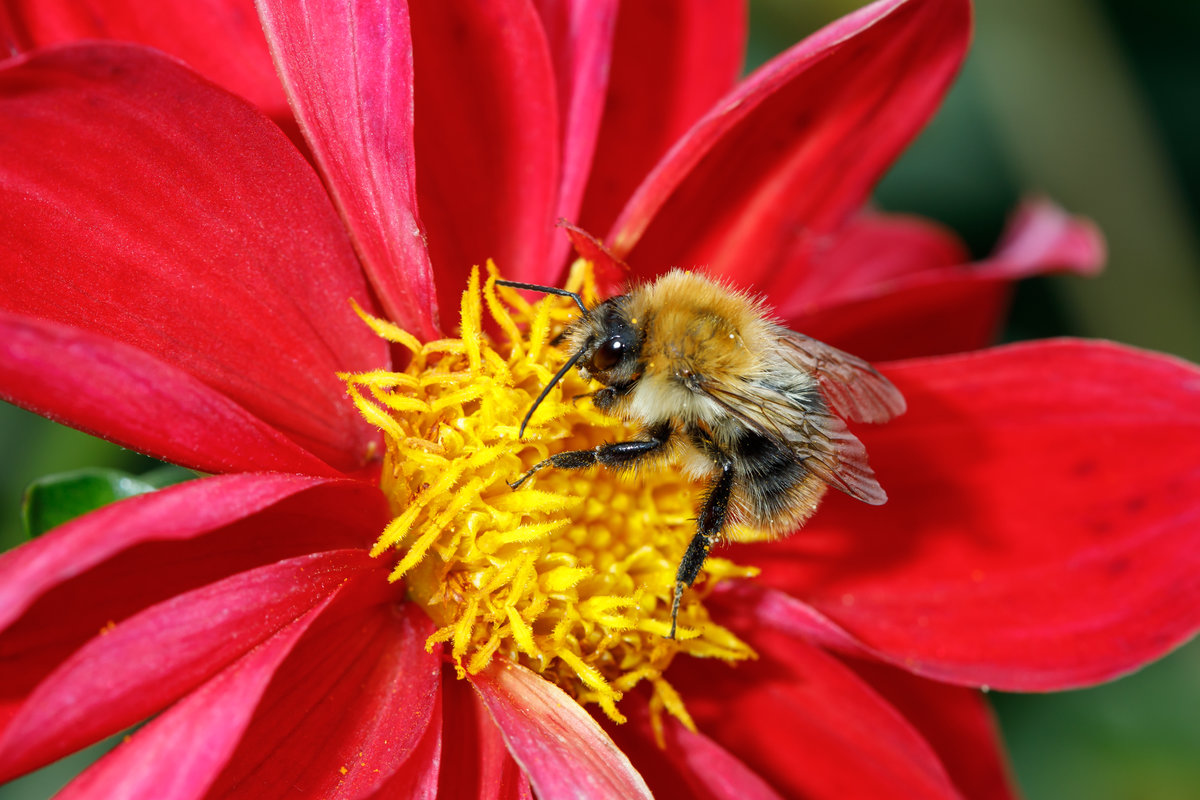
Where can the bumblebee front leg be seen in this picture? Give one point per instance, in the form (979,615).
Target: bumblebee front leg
(708,530)
(617,455)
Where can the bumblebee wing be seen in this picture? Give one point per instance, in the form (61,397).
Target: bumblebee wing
(818,437)
(852,386)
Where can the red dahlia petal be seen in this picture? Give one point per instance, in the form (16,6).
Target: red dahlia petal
(143,204)
(796,148)
(957,721)
(354,709)
(124,394)
(580,35)
(689,764)
(478,765)
(178,755)
(806,724)
(133,669)
(417,777)
(487,140)
(56,592)
(891,305)
(562,749)
(611,273)
(189,31)
(1040,531)
(670,62)
(348,71)
(871,250)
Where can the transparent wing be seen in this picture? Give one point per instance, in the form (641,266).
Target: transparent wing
(816,435)
(852,387)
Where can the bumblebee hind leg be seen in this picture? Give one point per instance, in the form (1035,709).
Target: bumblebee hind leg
(708,530)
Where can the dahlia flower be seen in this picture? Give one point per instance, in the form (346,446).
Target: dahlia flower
(353,603)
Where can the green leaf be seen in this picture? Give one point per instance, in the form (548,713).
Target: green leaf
(166,475)
(55,499)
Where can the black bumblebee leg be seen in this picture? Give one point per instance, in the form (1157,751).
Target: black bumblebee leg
(708,531)
(618,455)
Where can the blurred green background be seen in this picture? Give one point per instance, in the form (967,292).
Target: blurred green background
(1095,103)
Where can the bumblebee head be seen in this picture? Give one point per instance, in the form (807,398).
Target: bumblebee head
(604,343)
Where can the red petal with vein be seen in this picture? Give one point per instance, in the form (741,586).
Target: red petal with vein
(691,760)
(954,720)
(189,31)
(487,141)
(797,146)
(890,305)
(807,724)
(560,747)
(349,711)
(179,754)
(957,721)
(671,61)
(146,205)
(870,251)
(611,273)
(116,391)
(347,69)
(137,667)
(580,35)
(478,765)
(417,777)
(1041,528)
(157,546)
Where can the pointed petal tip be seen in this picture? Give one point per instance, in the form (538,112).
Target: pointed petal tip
(1043,235)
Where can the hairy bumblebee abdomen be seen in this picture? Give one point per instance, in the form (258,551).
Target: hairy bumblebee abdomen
(774,492)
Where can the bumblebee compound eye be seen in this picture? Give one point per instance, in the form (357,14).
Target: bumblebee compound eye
(607,355)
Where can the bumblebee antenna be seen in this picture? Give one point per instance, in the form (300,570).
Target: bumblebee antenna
(548,290)
(565,367)
(557,377)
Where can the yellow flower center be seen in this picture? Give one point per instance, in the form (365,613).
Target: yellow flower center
(573,573)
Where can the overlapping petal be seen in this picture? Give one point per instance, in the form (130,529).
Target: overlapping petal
(479,765)
(98,572)
(580,37)
(142,664)
(795,149)
(185,30)
(689,762)
(1040,528)
(137,400)
(956,721)
(671,61)
(179,754)
(487,139)
(804,723)
(135,192)
(354,710)
(347,67)
(888,287)
(560,747)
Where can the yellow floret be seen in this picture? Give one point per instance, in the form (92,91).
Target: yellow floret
(572,575)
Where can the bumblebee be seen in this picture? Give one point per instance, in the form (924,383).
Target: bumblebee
(715,384)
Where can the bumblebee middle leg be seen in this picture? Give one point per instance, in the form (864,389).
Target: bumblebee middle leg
(708,530)
(617,455)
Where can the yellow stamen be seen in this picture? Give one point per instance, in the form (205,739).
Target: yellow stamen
(571,575)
